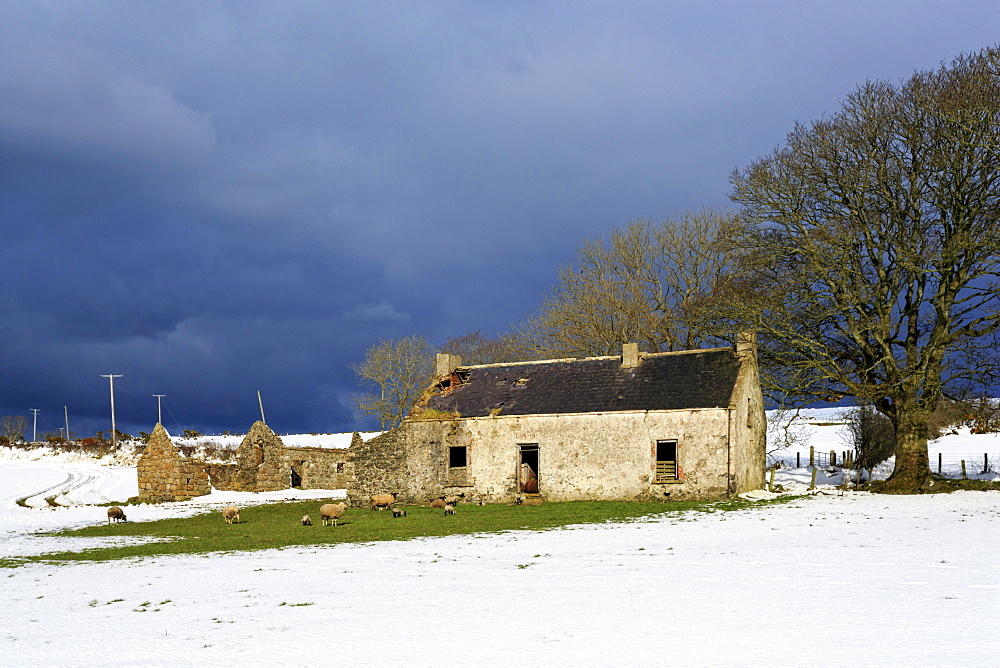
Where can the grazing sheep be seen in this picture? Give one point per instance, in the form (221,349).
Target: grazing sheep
(449,509)
(115,513)
(438,503)
(398,512)
(331,512)
(451,500)
(306,522)
(231,514)
(383,501)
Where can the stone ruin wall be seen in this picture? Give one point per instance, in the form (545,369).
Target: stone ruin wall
(263,464)
(379,467)
(320,468)
(164,475)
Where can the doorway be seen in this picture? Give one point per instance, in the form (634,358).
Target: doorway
(528,469)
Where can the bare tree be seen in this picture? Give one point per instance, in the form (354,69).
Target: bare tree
(397,371)
(869,434)
(12,427)
(477,348)
(657,284)
(877,250)
(784,432)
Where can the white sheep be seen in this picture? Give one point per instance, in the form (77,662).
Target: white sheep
(231,514)
(306,522)
(449,509)
(398,512)
(438,503)
(331,512)
(115,513)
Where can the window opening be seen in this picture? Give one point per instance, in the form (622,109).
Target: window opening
(458,457)
(528,469)
(666,460)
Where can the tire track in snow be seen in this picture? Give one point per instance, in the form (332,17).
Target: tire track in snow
(23,501)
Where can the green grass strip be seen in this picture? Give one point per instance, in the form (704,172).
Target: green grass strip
(279,525)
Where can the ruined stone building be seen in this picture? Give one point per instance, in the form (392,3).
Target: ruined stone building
(263,464)
(680,425)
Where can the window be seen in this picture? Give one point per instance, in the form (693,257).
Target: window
(458,463)
(666,461)
(458,457)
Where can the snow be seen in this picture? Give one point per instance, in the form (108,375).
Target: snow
(230,441)
(824,580)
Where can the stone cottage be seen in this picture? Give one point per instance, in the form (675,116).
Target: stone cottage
(679,425)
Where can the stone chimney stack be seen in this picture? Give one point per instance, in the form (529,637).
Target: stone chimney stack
(746,344)
(447,363)
(630,355)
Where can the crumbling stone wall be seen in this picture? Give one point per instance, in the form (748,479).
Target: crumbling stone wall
(262,460)
(164,475)
(321,468)
(379,467)
(225,477)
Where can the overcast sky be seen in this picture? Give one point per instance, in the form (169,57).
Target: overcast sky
(216,198)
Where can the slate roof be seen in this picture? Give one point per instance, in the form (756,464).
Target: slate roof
(692,379)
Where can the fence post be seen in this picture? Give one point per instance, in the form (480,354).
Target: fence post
(939,463)
(986,462)
(770,484)
(798,460)
(812,480)
(812,461)
(833,458)
(964,476)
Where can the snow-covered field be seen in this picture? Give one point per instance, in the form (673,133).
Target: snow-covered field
(826,580)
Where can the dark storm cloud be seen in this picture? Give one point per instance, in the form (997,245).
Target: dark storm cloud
(218,198)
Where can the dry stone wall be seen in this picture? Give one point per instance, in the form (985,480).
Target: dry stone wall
(164,475)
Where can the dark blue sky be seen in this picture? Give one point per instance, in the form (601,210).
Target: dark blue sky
(218,198)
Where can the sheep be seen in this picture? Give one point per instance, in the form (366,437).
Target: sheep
(438,503)
(331,512)
(449,509)
(306,522)
(383,501)
(115,513)
(231,514)
(398,512)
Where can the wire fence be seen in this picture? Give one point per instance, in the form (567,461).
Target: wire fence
(947,465)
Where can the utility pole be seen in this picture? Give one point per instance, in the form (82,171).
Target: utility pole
(66,413)
(159,413)
(34,430)
(111,379)
(261,403)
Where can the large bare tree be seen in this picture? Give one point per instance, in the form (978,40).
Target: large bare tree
(657,284)
(877,248)
(396,371)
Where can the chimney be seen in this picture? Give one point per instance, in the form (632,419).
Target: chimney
(630,355)
(446,363)
(746,345)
